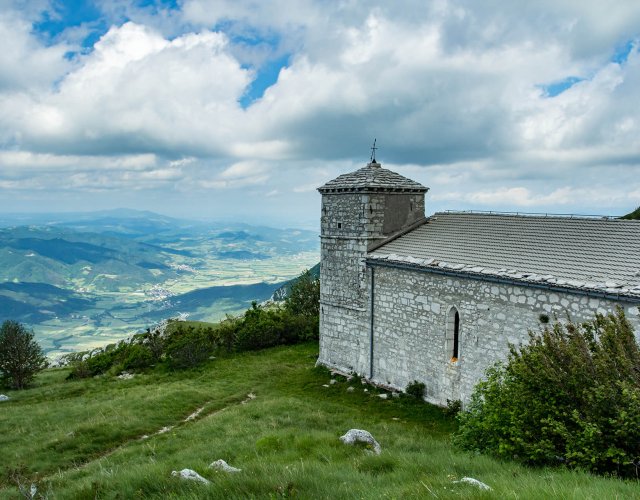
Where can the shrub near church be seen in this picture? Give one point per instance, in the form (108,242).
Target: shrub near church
(571,396)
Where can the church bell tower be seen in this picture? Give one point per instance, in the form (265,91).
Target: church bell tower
(359,210)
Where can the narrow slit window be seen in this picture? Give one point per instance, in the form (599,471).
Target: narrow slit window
(456,335)
(339,225)
(453,335)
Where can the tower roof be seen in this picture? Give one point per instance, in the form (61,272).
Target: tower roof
(373,177)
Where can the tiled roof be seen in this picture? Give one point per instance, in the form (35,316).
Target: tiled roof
(371,178)
(585,253)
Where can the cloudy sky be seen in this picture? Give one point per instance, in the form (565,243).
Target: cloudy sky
(240,109)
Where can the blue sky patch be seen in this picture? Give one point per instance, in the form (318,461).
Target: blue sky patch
(557,88)
(67,14)
(622,53)
(87,14)
(266,76)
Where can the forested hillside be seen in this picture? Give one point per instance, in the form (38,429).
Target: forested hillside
(635,215)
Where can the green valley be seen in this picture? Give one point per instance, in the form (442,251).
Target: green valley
(85,280)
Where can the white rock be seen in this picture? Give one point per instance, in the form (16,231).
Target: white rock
(4,398)
(325,385)
(359,436)
(223,466)
(382,396)
(350,389)
(474,482)
(333,381)
(126,376)
(190,475)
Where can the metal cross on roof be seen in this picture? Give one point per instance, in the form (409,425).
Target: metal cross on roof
(373,152)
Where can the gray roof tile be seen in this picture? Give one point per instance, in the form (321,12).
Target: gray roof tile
(371,178)
(575,252)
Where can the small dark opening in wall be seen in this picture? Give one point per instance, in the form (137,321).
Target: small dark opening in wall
(544,318)
(456,335)
(339,225)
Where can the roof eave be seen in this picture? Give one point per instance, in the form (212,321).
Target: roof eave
(494,278)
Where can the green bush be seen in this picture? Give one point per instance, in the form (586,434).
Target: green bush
(260,328)
(571,396)
(416,389)
(304,297)
(454,407)
(187,347)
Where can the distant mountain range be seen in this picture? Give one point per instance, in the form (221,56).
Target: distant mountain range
(108,273)
(66,257)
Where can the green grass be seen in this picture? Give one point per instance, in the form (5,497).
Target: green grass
(81,439)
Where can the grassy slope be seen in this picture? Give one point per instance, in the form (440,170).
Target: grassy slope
(82,439)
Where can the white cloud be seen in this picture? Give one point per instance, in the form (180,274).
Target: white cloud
(451,89)
(138,92)
(24,62)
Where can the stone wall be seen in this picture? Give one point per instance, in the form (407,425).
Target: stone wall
(344,339)
(350,222)
(412,313)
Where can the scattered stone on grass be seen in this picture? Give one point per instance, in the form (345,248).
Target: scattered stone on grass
(126,376)
(383,396)
(4,398)
(474,482)
(250,397)
(325,385)
(223,466)
(360,436)
(350,389)
(333,381)
(366,390)
(395,394)
(190,475)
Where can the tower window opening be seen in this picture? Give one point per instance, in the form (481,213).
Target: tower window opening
(339,225)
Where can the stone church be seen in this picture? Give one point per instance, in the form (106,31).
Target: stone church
(438,299)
